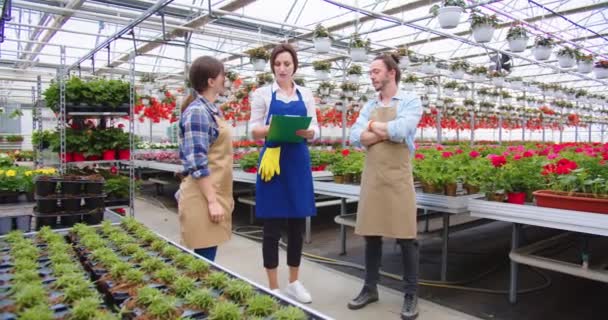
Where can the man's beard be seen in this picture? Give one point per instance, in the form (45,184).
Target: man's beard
(383,84)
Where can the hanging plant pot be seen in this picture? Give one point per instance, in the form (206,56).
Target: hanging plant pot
(428,67)
(109,155)
(358,54)
(322,44)
(516,85)
(404,62)
(449,16)
(542,53)
(479,77)
(322,74)
(483,33)
(458,74)
(600,73)
(124,154)
(518,44)
(448,92)
(409,86)
(353,78)
(516,197)
(570,201)
(258,64)
(565,61)
(498,81)
(324,91)
(584,67)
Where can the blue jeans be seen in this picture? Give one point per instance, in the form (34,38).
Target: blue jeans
(207,253)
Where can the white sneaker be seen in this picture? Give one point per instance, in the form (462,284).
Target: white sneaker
(297,291)
(276,291)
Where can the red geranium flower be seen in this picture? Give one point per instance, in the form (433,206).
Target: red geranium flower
(498,161)
(419,156)
(528,154)
(473,154)
(447,154)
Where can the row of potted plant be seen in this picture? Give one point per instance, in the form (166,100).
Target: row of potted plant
(88,144)
(516,172)
(149,278)
(13,138)
(320,160)
(91,95)
(16,180)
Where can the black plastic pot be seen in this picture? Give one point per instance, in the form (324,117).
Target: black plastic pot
(74,188)
(45,221)
(94,203)
(93,218)
(47,206)
(93,188)
(68,221)
(9,197)
(45,188)
(71,205)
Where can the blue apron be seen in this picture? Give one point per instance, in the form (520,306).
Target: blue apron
(289,194)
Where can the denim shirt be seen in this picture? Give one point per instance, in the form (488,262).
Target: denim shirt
(400,130)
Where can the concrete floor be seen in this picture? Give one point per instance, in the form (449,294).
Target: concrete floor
(330,289)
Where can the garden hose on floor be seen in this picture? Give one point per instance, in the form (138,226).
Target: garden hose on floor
(458,285)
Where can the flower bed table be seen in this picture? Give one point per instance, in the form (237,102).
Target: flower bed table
(567,220)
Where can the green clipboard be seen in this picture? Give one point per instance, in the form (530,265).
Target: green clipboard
(283,128)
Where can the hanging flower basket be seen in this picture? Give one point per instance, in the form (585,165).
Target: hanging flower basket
(353,78)
(571,201)
(542,53)
(483,33)
(404,62)
(565,61)
(584,67)
(258,64)
(601,69)
(358,54)
(409,86)
(518,44)
(449,16)
(322,44)
(322,75)
(458,74)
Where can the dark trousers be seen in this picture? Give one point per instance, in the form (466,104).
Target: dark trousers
(272,235)
(409,255)
(207,253)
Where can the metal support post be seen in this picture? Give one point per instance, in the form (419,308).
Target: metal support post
(473,114)
(131,135)
(439,112)
(575,133)
(514,267)
(444,249)
(61,122)
(590,131)
(342,227)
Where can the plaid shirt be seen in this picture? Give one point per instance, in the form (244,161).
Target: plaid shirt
(198,130)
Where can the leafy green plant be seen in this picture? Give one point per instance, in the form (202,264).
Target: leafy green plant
(478,19)
(460,65)
(232,76)
(322,65)
(30,295)
(260,305)
(51,96)
(134,277)
(117,187)
(355,69)
(152,264)
(167,274)
(183,285)
(85,309)
(202,299)
(77,291)
(569,52)
(147,296)
(480,70)
(410,78)
(183,259)
(258,53)
(321,32)
(118,270)
(198,267)
(217,280)
(163,309)
(238,290)
(249,160)
(541,41)
(41,311)
(225,310)
(517,32)
(357,42)
(289,313)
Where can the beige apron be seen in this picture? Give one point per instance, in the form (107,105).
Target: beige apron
(197,230)
(387,204)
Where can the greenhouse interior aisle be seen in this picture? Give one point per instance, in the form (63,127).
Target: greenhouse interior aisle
(330,288)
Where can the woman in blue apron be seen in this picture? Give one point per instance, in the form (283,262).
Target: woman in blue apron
(286,197)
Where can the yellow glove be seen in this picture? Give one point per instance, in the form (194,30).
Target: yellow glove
(269,165)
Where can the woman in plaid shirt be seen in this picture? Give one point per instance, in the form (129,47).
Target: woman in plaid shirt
(205,195)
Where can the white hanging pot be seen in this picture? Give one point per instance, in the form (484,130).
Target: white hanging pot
(565,61)
(483,33)
(258,64)
(322,74)
(516,85)
(458,74)
(498,81)
(584,67)
(353,78)
(322,44)
(600,73)
(358,54)
(542,53)
(449,17)
(409,86)
(448,92)
(518,44)
(404,62)
(324,91)
(431,89)
(428,67)
(479,78)
(463,93)
(508,100)
(348,94)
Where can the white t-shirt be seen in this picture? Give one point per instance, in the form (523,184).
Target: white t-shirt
(260,104)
